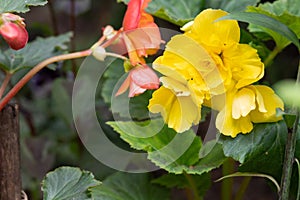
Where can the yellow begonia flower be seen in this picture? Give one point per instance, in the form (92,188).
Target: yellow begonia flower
(179,112)
(207,65)
(236,62)
(251,104)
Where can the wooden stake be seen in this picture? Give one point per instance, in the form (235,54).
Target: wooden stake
(10,177)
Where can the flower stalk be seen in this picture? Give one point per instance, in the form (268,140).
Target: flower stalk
(290,153)
(271,56)
(193,186)
(36,69)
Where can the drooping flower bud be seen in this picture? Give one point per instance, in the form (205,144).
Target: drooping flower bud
(12,29)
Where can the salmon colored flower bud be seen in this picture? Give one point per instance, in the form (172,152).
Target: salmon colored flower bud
(12,29)
(139,80)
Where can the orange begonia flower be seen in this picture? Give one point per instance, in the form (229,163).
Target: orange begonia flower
(141,35)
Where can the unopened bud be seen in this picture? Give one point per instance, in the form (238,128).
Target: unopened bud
(12,29)
(109,32)
(99,53)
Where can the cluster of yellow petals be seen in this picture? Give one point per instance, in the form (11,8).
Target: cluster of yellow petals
(207,65)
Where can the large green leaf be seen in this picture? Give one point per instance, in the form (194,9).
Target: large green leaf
(175,11)
(167,149)
(285,11)
(261,151)
(202,182)
(67,183)
(122,186)
(181,11)
(231,5)
(280,32)
(19,5)
(213,159)
(34,52)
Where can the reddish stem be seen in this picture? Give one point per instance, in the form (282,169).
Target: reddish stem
(4,84)
(36,69)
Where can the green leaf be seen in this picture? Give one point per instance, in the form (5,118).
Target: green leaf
(289,91)
(285,11)
(268,24)
(122,186)
(180,12)
(212,160)
(177,12)
(167,149)
(34,52)
(231,5)
(67,183)
(19,5)
(245,174)
(261,150)
(202,182)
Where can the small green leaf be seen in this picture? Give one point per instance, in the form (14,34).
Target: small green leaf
(289,91)
(67,183)
(34,52)
(266,22)
(167,149)
(19,5)
(289,120)
(245,174)
(202,182)
(122,186)
(261,150)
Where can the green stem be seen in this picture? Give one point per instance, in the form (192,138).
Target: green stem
(289,153)
(193,186)
(226,187)
(244,185)
(271,56)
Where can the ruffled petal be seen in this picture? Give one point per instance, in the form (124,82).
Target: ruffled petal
(269,102)
(245,64)
(231,127)
(243,103)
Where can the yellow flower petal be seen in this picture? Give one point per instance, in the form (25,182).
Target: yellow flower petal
(215,34)
(176,86)
(179,112)
(245,64)
(243,103)
(189,51)
(269,102)
(231,127)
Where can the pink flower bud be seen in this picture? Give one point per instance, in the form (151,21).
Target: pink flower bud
(13,31)
(139,80)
